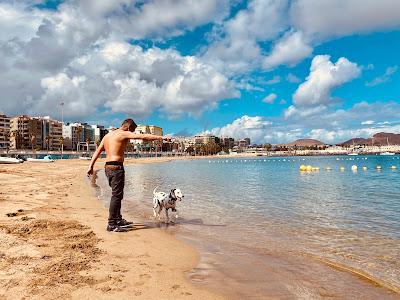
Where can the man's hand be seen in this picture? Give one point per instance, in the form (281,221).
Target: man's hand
(89,171)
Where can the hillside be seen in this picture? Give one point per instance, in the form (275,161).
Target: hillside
(381,138)
(305,143)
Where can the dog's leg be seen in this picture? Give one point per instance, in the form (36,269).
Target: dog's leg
(159,213)
(166,213)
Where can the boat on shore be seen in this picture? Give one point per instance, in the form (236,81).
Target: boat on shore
(46,159)
(10,160)
(387,153)
(352,154)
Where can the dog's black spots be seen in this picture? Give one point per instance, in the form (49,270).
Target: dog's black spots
(10,215)
(20,210)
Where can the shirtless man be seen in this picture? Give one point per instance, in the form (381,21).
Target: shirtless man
(114,144)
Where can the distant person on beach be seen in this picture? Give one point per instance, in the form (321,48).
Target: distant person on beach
(114,144)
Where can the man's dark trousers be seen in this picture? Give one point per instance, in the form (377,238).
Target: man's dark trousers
(116,180)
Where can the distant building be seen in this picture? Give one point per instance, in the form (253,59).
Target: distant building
(149,129)
(52,133)
(4,132)
(227,142)
(78,136)
(245,143)
(203,139)
(99,132)
(26,133)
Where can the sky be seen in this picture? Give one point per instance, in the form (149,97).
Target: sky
(270,70)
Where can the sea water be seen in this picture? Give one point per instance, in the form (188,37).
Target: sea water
(264,229)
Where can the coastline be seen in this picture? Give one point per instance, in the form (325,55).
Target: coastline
(54,242)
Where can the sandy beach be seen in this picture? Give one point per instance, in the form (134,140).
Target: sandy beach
(53,242)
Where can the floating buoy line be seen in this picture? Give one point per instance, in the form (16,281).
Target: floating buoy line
(305,168)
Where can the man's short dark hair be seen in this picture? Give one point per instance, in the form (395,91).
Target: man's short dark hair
(130,124)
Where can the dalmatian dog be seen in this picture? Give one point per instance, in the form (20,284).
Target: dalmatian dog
(165,201)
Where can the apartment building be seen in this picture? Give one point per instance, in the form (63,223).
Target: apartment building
(26,133)
(149,129)
(76,136)
(99,132)
(52,133)
(203,139)
(4,132)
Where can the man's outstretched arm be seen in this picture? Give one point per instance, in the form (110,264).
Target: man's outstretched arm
(146,137)
(95,156)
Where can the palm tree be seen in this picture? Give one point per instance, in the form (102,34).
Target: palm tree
(16,135)
(6,134)
(78,135)
(47,140)
(32,139)
(61,139)
(88,140)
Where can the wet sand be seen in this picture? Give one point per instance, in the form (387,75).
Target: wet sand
(53,242)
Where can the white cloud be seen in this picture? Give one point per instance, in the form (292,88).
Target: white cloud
(273,80)
(238,49)
(39,73)
(270,98)
(292,78)
(17,22)
(246,126)
(330,126)
(384,78)
(323,78)
(368,122)
(160,18)
(330,18)
(289,50)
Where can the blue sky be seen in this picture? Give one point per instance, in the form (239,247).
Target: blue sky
(271,70)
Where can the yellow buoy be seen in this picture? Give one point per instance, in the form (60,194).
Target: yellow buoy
(328,168)
(354,168)
(364,168)
(309,168)
(303,168)
(378,167)
(341,168)
(393,167)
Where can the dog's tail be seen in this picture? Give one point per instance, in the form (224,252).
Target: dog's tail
(154,191)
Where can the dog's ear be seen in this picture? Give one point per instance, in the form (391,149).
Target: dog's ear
(173,191)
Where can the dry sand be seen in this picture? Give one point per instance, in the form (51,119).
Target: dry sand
(53,242)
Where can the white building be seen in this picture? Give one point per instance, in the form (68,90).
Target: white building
(52,133)
(99,132)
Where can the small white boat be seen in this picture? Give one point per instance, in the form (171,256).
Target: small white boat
(387,153)
(46,159)
(85,158)
(10,160)
(352,154)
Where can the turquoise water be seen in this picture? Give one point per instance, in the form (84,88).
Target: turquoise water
(265,228)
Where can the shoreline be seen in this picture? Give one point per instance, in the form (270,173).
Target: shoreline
(54,242)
